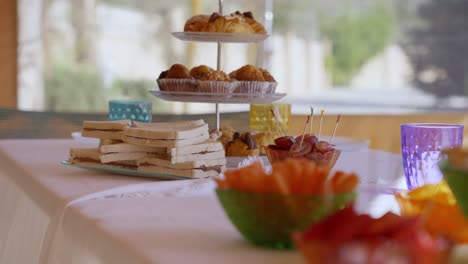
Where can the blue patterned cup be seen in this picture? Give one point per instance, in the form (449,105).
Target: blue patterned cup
(129,109)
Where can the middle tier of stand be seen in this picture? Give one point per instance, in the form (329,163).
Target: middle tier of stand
(222,98)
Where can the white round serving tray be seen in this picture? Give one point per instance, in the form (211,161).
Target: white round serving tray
(220,37)
(225,98)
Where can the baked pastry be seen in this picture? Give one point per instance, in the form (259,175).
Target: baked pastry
(200,72)
(205,73)
(176,79)
(244,145)
(216,76)
(264,139)
(257,27)
(228,24)
(196,23)
(178,71)
(163,75)
(251,73)
(267,76)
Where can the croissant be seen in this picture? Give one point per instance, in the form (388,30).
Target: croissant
(239,148)
(257,27)
(264,139)
(228,24)
(196,23)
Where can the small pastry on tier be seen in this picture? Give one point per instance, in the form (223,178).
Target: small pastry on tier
(251,73)
(177,78)
(212,81)
(257,27)
(196,23)
(200,72)
(253,80)
(243,145)
(178,71)
(228,24)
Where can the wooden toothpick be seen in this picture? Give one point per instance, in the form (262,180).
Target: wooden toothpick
(334,129)
(303,132)
(320,126)
(311,120)
(277,122)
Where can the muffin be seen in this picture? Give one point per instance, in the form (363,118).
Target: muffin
(176,79)
(178,71)
(253,80)
(200,72)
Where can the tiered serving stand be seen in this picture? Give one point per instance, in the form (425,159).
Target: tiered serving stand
(219,98)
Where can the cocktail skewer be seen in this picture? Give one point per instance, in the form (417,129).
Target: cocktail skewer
(277,122)
(311,120)
(320,126)
(334,129)
(303,132)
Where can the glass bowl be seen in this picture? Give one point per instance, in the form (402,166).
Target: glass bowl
(328,158)
(455,171)
(268,219)
(443,217)
(437,251)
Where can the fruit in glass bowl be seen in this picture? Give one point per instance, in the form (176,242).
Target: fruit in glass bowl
(267,207)
(436,203)
(347,237)
(304,146)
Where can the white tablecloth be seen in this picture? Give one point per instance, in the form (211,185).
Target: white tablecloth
(34,190)
(57,214)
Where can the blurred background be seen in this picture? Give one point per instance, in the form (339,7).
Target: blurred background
(352,56)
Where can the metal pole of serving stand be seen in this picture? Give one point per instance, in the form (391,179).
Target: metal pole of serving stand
(218,65)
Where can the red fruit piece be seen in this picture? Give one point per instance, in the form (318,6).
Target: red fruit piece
(384,226)
(409,227)
(285,142)
(320,230)
(308,138)
(274,147)
(298,151)
(349,229)
(323,147)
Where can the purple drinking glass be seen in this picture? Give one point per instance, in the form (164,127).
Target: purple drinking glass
(421,145)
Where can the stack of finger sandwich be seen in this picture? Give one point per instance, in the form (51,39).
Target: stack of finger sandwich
(179,148)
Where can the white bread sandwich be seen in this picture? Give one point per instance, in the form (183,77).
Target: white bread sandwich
(205,147)
(168,135)
(204,151)
(128,148)
(104,129)
(193,169)
(177,124)
(124,156)
(91,156)
(104,141)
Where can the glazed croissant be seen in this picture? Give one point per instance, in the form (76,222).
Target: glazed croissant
(196,23)
(227,24)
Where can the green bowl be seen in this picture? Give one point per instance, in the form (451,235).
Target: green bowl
(457,179)
(268,219)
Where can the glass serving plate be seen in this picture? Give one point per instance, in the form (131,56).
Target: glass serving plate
(220,37)
(231,98)
(128,172)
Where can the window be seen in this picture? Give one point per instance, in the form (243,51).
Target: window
(355,56)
